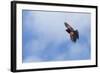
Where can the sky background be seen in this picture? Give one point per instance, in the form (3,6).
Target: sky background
(44,37)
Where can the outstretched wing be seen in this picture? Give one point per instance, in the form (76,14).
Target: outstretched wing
(68,26)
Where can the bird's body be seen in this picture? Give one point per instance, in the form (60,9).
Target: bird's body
(74,35)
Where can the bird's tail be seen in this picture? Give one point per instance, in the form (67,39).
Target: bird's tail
(77,34)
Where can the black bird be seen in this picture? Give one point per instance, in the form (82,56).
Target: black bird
(74,34)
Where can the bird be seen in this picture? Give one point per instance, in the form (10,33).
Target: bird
(74,34)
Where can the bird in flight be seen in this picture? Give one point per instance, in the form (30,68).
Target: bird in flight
(74,34)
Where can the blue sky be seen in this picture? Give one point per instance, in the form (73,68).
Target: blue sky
(44,37)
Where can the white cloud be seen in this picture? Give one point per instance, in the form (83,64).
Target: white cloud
(36,46)
(32,59)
